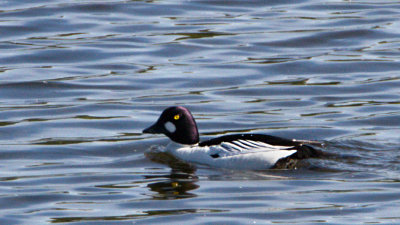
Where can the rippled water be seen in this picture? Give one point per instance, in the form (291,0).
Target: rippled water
(79,80)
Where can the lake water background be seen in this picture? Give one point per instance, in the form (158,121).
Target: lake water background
(79,80)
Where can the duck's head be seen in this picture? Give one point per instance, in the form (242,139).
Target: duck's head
(178,124)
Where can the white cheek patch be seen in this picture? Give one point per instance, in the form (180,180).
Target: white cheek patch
(170,127)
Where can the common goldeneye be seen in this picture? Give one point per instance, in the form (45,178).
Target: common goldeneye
(238,151)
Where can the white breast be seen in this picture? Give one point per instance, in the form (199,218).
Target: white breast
(240,154)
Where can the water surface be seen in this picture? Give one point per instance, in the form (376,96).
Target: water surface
(79,80)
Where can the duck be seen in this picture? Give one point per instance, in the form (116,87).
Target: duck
(233,151)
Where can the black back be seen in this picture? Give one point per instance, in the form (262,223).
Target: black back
(272,140)
(303,150)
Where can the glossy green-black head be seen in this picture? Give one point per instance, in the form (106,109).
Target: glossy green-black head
(178,124)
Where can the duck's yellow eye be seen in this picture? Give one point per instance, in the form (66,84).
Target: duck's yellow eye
(177,116)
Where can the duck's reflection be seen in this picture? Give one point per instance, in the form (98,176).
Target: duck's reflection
(177,187)
(178,183)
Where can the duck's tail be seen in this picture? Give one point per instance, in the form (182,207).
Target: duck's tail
(304,151)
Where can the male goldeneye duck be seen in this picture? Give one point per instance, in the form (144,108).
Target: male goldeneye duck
(238,151)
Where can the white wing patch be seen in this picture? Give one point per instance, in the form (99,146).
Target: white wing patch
(247,146)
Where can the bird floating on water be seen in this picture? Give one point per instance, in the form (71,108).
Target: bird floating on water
(237,151)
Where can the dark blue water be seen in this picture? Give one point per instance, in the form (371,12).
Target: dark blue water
(79,80)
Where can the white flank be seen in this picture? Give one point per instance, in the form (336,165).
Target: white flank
(238,154)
